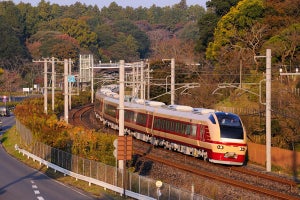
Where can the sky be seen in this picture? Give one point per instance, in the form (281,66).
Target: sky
(123,3)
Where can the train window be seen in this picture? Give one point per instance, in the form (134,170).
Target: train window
(155,124)
(172,126)
(129,116)
(193,130)
(110,110)
(188,130)
(163,124)
(182,128)
(212,119)
(230,126)
(141,119)
(168,123)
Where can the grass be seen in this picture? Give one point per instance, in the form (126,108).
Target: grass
(11,137)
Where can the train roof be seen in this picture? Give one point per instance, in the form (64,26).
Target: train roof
(160,107)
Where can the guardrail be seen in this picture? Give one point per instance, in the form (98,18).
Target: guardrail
(109,177)
(90,180)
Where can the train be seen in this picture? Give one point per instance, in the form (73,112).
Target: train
(214,136)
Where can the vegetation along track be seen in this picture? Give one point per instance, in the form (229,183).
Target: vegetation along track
(270,185)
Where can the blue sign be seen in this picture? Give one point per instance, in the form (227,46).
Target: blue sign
(71,79)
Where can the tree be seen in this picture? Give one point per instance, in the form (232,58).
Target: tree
(44,11)
(237,22)
(128,28)
(126,48)
(285,45)
(208,22)
(10,81)
(75,28)
(29,18)
(221,7)
(53,44)
(12,50)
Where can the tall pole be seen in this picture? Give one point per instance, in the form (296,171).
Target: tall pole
(172,81)
(121,104)
(268,109)
(66,90)
(148,84)
(133,81)
(45,87)
(92,79)
(142,80)
(70,85)
(53,83)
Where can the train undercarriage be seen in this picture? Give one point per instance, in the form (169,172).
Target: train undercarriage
(191,151)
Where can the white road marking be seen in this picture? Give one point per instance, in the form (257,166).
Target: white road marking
(36,191)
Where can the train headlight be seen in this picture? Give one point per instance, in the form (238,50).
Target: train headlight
(220,147)
(242,148)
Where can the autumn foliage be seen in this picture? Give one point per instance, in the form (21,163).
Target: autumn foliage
(47,128)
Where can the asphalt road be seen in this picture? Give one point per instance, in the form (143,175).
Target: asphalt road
(18,181)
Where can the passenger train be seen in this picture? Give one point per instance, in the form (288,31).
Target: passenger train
(218,137)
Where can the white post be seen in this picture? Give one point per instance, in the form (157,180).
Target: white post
(268,109)
(70,85)
(66,89)
(53,83)
(45,87)
(148,84)
(121,105)
(92,79)
(172,81)
(142,80)
(133,81)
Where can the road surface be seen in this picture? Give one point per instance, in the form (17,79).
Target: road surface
(18,181)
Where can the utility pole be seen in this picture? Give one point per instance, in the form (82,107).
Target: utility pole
(172,79)
(268,108)
(70,85)
(53,82)
(53,75)
(121,104)
(45,61)
(148,80)
(66,90)
(142,81)
(92,82)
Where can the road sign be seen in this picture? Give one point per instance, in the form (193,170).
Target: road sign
(71,79)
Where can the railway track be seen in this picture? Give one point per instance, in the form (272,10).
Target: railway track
(77,116)
(229,179)
(266,184)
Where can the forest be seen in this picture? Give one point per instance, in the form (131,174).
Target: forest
(214,47)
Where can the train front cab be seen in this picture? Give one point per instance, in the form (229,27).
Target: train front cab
(229,146)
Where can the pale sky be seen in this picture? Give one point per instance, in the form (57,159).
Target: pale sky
(123,3)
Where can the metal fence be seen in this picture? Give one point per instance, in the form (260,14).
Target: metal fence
(102,172)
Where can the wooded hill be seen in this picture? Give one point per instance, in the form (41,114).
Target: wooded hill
(223,39)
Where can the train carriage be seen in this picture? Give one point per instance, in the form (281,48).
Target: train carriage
(216,136)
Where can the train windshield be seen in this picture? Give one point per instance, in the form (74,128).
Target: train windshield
(230,126)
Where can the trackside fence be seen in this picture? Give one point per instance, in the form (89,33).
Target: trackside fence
(108,177)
